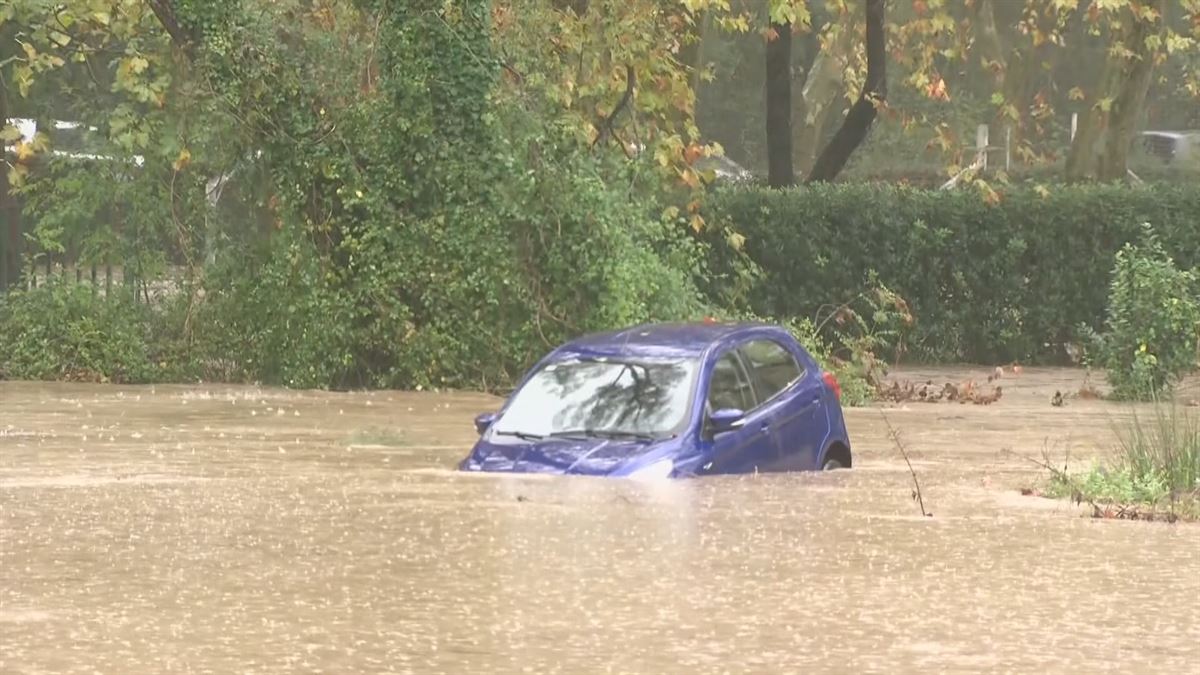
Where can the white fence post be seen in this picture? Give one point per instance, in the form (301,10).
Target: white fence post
(981,145)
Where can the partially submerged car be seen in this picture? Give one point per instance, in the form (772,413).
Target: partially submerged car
(669,401)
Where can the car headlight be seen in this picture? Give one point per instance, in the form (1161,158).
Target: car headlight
(660,470)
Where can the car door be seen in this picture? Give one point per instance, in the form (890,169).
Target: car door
(745,449)
(790,398)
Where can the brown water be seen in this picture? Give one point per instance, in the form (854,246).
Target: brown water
(222,529)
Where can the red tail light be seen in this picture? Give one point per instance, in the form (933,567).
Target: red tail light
(832,383)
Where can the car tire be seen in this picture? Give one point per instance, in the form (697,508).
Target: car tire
(832,464)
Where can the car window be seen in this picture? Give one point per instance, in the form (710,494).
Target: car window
(773,366)
(729,387)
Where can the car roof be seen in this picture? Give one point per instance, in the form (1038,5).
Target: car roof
(659,339)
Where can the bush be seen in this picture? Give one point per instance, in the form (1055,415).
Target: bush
(1153,314)
(271,318)
(64,331)
(849,341)
(854,378)
(986,282)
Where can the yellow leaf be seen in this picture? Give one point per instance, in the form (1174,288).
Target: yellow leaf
(24,77)
(101,18)
(24,151)
(16,175)
(1076,94)
(184,158)
(697,222)
(31,52)
(60,39)
(9,133)
(736,241)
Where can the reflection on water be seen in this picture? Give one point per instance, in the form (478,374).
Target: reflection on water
(223,530)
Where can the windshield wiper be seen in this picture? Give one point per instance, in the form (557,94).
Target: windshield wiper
(602,433)
(523,435)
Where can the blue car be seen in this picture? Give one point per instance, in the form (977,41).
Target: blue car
(669,401)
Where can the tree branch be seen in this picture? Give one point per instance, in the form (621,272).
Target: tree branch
(862,114)
(164,11)
(605,125)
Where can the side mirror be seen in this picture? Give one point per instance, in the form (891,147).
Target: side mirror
(483,421)
(727,419)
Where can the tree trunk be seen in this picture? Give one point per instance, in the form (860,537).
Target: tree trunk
(10,217)
(780,172)
(989,39)
(1101,147)
(1081,158)
(858,120)
(1131,100)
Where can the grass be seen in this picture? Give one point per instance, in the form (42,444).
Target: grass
(1153,475)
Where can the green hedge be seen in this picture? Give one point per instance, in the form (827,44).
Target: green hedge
(986,282)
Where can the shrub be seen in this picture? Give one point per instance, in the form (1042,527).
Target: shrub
(64,331)
(1153,314)
(986,282)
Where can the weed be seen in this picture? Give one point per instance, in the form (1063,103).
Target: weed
(1154,473)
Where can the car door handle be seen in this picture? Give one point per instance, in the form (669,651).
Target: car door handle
(764,428)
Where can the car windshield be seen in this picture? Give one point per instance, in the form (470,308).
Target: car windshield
(604,398)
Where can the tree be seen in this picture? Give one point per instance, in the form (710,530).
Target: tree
(1016,60)
(858,120)
(779,106)
(10,212)
(823,87)
(1136,41)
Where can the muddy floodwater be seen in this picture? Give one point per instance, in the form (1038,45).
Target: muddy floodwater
(212,529)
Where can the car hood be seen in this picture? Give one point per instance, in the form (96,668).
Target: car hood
(594,456)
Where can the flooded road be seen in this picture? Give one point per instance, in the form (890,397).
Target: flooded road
(237,529)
